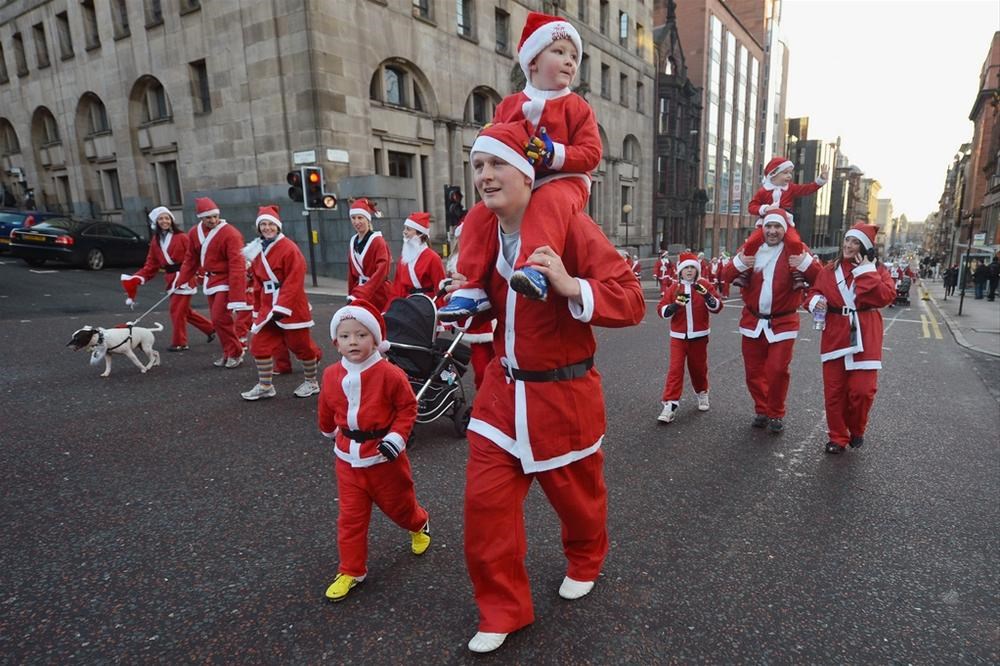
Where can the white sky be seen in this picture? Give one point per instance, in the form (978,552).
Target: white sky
(895,79)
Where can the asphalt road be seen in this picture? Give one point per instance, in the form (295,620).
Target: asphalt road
(160,518)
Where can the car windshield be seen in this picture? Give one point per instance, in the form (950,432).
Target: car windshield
(58,224)
(12,218)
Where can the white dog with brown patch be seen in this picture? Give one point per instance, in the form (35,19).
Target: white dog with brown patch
(102,342)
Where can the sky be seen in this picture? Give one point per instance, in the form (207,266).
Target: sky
(895,80)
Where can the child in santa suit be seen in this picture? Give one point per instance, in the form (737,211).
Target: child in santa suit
(664,272)
(850,290)
(565,149)
(420,269)
(282,315)
(167,249)
(778,191)
(367,406)
(368,258)
(687,304)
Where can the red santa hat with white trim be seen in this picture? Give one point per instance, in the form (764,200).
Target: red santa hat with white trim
(203,207)
(687,259)
(268,214)
(420,222)
(366,208)
(776,166)
(539,31)
(157,212)
(777,215)
(130,283)
(367,315)
(507,141)
(863,232)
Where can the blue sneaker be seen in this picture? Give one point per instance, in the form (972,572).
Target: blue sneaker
(460,307)
(530,283)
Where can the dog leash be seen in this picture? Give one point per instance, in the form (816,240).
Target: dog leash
(155,305)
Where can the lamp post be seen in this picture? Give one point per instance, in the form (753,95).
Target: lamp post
(964,273)
(626,209)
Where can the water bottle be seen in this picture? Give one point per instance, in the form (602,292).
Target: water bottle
(819,317)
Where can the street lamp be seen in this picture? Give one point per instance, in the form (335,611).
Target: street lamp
(626,209)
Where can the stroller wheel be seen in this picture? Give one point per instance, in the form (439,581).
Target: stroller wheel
(461,417)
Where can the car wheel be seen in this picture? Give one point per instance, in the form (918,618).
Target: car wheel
(95,260)
(35,263)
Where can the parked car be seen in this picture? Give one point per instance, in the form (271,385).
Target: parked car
(91,244)
(11,218)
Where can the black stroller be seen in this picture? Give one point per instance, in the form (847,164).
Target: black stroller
(903,290)
(434,365)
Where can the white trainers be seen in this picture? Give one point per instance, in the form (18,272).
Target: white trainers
(668,412)
(574,589)
(306,389)
(235,361)
(220,362)
(702,401)
(484,641)
(258,392)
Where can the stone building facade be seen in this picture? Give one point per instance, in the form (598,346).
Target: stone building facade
(112,107)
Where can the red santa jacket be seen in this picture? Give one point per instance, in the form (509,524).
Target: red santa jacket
(373,397)
(770,303)
(279,286)
(421,276)
(663,269)
(568,120)
(166,252)
(769,197)
(690,321)
(548,424)
(218,254)
(853,296)
(368,270)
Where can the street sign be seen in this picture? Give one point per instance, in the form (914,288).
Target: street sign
(304,157)
(979,240)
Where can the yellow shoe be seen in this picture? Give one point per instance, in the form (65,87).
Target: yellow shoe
(341,585)
(420,541)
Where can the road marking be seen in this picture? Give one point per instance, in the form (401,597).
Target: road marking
(32,270)
(932,320)
(925,325)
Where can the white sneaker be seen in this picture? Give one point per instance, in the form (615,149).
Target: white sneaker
(258,392)
(306,389)
(702,401)
(235,361)
(220,362)
(574,589)
(484,641)
(669,410)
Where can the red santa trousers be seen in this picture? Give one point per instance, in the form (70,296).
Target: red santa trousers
(793,242)
(849,395)
(495,545)
(767,374)
(181,315)
(224,324)
(550,210)
(244,320)
(387,485)
(482,354)
(271,340)
(695,351)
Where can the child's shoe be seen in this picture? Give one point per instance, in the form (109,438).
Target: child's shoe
(420,541)
(668,412)
(703,401)
(341,585)
(740,280)
(485,641)
(530,283)
(574,589)
(464,303)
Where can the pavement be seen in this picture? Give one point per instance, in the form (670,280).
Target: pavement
(977,328)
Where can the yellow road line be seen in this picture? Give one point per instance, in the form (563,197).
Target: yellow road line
(934,325)
(924,323)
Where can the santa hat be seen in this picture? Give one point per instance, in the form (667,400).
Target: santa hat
(776,166)
(864,233)
(130,283)
(420,222)
(506,141)
(688,259)
(776,215)
(367,315)
(158,211)
(540,30)
(203,207)
(267,214)
(365,207)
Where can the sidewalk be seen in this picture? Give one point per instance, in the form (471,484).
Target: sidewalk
(977,328)
(326,285)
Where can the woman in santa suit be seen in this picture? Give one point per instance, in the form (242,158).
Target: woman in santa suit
(368,259)
(167,249)
(420,269)
(282,314)
(850,291)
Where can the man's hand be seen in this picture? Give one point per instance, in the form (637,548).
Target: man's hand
(747,261)
(550,264)
(796,259)
(824,172)
(455,282)
(820,305)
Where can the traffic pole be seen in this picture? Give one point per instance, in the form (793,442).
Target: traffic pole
(311,242)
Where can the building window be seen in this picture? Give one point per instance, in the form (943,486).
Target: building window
(93,37)
(606,81)
(661,175)
(639,97)
(663,119)
(581,10)
(422,9)
(584,76)
(623,89)
(400,164)
(4,77)
(640,38)
(50,131)
(97,117)
(154,103)
(65,37)
(623,29)
(377,156)
(200,95)
(466,17)
(119,16)
(190,6)
(394,85)
(502,21)
(112,190)
(8,139)
(605,13)
(479,113)
(41,45)
(171,183)
(154,13)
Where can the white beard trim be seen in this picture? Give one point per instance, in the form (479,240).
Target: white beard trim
(252,249)
(412,247)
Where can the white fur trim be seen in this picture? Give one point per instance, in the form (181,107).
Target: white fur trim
(558,155)
(862,269)
(213,211)
(412,224)
(361,211)
(267,218)
(540,39)
(775,217)
(237,305)
(813,301)
(805,263)
(738,263)
(689,262)
(497,148)
(861,236)
(787,164)
(584,310)
(362,315)
(158,211)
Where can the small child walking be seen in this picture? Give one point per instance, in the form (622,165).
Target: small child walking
(687,303)
(367,406)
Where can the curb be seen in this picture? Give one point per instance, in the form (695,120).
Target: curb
(957,332)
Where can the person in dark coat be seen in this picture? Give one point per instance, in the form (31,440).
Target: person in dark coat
(993,276)
(980,276)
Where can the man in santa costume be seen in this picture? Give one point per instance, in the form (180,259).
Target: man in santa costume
(539,414)
(664,272)
(368,258)
(420,269)
(282,315)
(167,249)
(851,290)
(769,323)
(216,251)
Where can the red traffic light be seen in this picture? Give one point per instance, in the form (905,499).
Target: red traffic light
(294,178)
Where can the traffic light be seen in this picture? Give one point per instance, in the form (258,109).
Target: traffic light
(294,179)
(454,211)
(316,196)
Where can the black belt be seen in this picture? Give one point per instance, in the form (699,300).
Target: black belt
(364,435)
(172,268)
(572,371)
(774,315)
(846,311)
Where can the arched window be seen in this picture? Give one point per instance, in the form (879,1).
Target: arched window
(394,84)
(480,105)
(630,149)
(9,144)
(154,102)
(670,66)
(44,128)
(95,115)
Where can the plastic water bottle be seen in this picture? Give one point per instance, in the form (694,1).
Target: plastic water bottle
(819,317)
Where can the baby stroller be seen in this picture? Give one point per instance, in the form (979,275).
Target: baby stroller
(434,365)
(903,291)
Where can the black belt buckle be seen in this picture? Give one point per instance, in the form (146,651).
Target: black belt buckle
(565,373)
(846,311)
(364,435)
